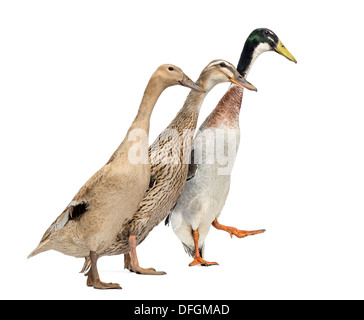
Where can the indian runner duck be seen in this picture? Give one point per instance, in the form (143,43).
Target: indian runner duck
(213,156)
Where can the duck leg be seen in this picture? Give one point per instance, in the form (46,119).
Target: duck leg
(198,260)
(236,232)
(131,261)
(127,260)
(127,263)
(93,278)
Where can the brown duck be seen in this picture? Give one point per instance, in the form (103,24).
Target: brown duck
(169,156)
(91,222)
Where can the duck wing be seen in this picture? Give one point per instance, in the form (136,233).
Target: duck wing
(78,206)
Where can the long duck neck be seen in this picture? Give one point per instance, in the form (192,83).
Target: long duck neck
(142,120)
(250,53)
(226,114)
(151,95)
(187,117)
(227,111)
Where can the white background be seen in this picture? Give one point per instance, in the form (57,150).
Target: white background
(72,74)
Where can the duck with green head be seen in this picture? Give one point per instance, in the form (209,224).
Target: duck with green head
(208,182)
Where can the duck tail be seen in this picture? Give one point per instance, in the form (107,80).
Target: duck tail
(41,248)
(86,265)
(191,250)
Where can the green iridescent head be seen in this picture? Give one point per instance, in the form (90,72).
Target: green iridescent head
(259,41)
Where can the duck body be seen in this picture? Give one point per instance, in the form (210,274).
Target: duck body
(91,221)
(169,170)
(214,152)
(121,189)
(100,208)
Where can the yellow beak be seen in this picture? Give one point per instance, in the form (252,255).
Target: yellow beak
(281,49)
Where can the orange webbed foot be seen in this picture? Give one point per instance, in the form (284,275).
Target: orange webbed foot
(242,233)
(202,262)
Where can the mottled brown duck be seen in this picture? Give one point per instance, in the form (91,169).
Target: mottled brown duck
(90,223)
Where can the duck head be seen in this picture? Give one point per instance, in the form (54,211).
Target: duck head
(220,71)
(259,41)
(171,75)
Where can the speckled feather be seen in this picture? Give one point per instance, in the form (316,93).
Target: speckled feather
(227,111)
(168,180)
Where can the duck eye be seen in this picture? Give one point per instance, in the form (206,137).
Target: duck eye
(170,68)
(222,64)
